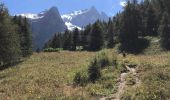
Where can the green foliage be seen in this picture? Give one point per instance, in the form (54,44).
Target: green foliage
(101,61)
(164,30)
(81,78)
(52,49)
(155,84)
(96,38)
(25,35)
(67,44)
(76,38)
(129,27)
(110,34)
(94,71)
(9,39)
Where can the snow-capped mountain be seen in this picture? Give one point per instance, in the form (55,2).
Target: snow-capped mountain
(82,18)
(78,19)
(45,24)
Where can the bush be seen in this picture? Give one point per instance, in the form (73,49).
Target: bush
(94,71)
(53,49)
(81,78)
(103,60)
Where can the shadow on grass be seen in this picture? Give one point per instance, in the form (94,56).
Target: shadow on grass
(136,47)
(3,67)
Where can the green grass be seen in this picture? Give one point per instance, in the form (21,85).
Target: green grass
(153,71)
(50,76)
(43,75)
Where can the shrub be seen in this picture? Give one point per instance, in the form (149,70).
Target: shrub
(103,59)
(94,71)
(53,49)
(81,78)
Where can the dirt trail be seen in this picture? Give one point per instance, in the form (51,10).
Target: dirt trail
(122,83)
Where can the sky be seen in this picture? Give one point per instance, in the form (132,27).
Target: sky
(110,7)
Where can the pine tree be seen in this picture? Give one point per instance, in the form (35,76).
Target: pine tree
(110,36)
(129,28)
(164,30)
(67,40)
(151,24)
(96,37)
(9,39)
(85,37)
(24,34)
(27,47)
(94,71)
(57,42)
(76,38)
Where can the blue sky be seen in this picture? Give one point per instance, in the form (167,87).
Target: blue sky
(110,7)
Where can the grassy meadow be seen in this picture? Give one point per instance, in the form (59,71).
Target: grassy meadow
(50,76)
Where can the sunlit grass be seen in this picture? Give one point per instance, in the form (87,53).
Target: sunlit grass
(43,75)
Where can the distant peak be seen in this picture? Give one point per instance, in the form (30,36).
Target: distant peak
(93,7)
(55,9)
(103,13)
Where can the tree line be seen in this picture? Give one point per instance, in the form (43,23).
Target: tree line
(127,28)
(15,38)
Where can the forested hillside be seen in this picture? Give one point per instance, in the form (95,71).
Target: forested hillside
(128,29)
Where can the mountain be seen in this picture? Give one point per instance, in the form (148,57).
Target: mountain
(82,18)
(44,25)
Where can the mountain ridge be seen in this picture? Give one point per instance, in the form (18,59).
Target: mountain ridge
(46,24)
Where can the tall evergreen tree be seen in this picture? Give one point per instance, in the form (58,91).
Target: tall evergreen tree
(24,34)
(85,37)
(151,24)
(67,40)
(96,37)
(76,38)
(27,36)
(57,41)
(110,36)
(129,27)
(164,30)
(9,39)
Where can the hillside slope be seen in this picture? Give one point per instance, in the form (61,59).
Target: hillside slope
(50,76)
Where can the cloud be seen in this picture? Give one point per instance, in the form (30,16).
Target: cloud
(123,3)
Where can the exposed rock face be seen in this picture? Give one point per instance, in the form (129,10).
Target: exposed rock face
(84,17)
(44,25)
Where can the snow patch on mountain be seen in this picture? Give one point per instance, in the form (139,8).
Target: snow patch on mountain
(81,18)
(69,17)
(75,19)
(71,27)
(31,16)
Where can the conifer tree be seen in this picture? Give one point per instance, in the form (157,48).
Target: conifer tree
(57,41)
(110,33)
(67,40)
(85,37)
(129,27)
(25,35)
(76,38)
(164,30)
(151,22)
(96,37)
(9,39)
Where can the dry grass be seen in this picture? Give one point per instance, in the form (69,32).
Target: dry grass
(153,70)
(50,76)
(44,76)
